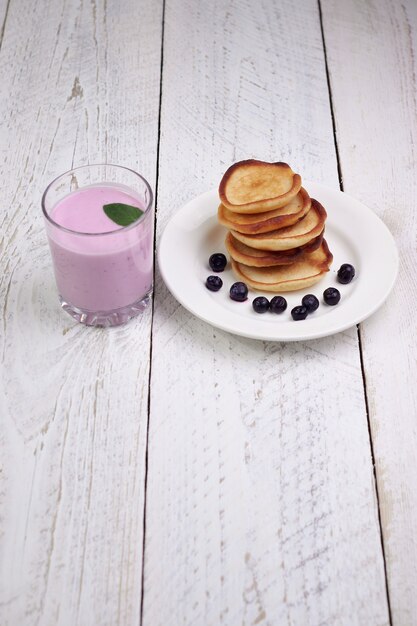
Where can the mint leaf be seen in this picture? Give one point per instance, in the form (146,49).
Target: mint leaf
(122,214)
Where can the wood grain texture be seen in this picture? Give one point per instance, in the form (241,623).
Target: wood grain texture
(375,99)
(260,501)
(80,83)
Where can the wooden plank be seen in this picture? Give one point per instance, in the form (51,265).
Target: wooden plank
(376,112)
(260,501)
(80,83)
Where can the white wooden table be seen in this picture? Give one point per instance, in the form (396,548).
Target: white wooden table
(166,473)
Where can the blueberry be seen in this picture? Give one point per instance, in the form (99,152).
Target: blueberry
(239,292)
(217,262)
(214,283)
(346,273)
(278,304)
(260,304)
(310,302)
(331,296)
(299,313)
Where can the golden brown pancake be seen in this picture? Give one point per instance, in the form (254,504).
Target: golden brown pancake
(253,223)
(299,275)
(242,253)
(256,186)
(301,233)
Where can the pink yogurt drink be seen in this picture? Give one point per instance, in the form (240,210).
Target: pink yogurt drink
(103,269)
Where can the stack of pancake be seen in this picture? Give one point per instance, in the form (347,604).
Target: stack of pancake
(276,230)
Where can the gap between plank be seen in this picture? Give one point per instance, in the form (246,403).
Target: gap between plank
(152,315)
(336,147)
(3,27)
(339,172)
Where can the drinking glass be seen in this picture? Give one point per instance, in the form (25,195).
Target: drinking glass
(103,278)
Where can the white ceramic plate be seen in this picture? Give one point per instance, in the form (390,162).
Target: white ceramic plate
(354,235)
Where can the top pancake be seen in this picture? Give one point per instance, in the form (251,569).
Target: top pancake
(256,186)
(310,227)
(253,223)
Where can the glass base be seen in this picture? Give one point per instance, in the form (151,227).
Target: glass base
(104,319)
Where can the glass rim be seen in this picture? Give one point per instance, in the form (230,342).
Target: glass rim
(109,232)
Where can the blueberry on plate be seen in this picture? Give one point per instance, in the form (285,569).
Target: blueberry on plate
(217,262)
(239,292)
(310,302)
(214,283)
(331,296)
(260,304)
(299,313)
(346,273)
(278,304)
